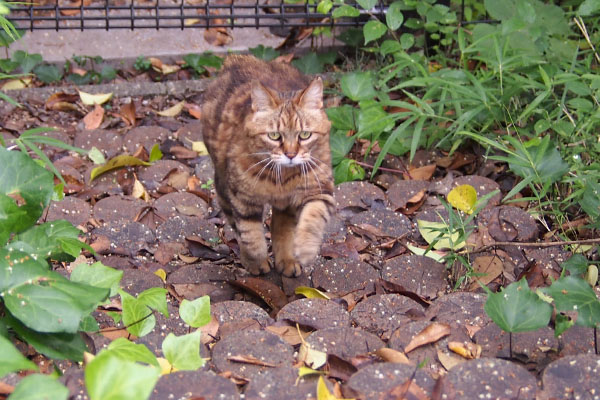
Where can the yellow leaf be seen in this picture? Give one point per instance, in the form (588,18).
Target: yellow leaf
(116,162)
(139,191)
(311,357)
(439,234)
(311,293)
(15,84)
(303,371)
(463,198)
(191,21)
(323,393)
(435,255)
(90,99)
(172,111)
(165,366)
(200,148)
(161,274)
(591,275)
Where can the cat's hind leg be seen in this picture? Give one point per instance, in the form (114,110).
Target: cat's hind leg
(283,224)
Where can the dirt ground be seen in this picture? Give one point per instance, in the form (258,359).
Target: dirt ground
(391,317)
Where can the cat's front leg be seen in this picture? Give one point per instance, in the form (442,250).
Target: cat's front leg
(310,229)
(283,224)
(253,246)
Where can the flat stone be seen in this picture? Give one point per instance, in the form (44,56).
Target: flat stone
(314,313)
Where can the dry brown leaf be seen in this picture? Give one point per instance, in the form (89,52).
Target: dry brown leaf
(249,359)
(62,102)
(290,334)
(407,390)
(432,333)
(218,36)
(490,267)
(422,173)
(449,360)
(127,113)
(94,118)
(76,3)
(268,291)
(209,331)
(472,329)
(285,58)
(466,350)
(194,110)
(113,333)
(139,191)
(163,68)
(391,355)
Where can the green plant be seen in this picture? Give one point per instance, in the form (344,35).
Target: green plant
(91,75)
(142,64)
(199,62)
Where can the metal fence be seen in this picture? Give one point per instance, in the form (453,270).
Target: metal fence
(181,14)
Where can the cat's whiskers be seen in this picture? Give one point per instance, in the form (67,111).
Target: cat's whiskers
(308,164)
(255,164)
(305,175)
(312,160)
(257,177)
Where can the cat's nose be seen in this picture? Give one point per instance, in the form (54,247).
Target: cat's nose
(290,154)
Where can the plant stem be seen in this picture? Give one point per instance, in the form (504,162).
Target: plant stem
(395,171)
(533,244)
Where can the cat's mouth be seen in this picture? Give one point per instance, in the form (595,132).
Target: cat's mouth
(286,161)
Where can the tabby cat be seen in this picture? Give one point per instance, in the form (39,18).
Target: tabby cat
(268,138)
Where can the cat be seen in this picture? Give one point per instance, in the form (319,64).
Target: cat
(268,137)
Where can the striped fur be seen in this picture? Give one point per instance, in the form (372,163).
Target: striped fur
(268,138)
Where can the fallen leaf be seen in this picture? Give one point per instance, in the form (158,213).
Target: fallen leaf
(486,268)
(303,371)
(161,273)
(340,368)
(165,366)
(268,291)
(285,58)
(194,110)
(16,84)
(432,333)
(290,334)
(250,359)
(209,331)
(465,350)
(449,360)
(433,254)
(407,390)
(391,355)
(62,102)
(200,148)
(311,293)
(218,36)
(172,111)
(74,11)
(127,113)
(139,191)
(422,173)
(164,69)
(94,118)
(312,358)
(123,160)
(439,235)
(90,99)
(463,198)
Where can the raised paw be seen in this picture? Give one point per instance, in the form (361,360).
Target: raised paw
(288,267)
(306,256)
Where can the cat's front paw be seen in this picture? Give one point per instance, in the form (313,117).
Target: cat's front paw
(306,256)
(288,267)
(257,268)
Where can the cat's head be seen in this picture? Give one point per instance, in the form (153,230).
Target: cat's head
(289,127)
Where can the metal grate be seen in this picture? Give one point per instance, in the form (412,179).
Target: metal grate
(169,14)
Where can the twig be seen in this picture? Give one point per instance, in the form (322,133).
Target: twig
(532,244)
(582,28)
(396,171)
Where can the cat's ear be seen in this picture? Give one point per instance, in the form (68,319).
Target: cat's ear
(311,98)
(263,99)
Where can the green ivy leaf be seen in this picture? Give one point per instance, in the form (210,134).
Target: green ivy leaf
(390,47)
(264,53)
(48,73)
(108,377)
(183,352)
(373,30)
(25,190)
(129,351)
(342,118)
(394,17)
(324,6)
(156,299)
(195,313)
(50,239)
(38,386)
(500,10)
(352,37)
(589,7)
(98,275)
(309,64)
(367,4)
(60,346)
(340,145)
(26,61)
(155,153)
(12,359)
(590,203)
(517,309)
(345,11)
(136,315)
(574,294)
(348,170)
(576,265)
(407,40)
(358,86)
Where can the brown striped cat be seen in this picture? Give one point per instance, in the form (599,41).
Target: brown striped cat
(268,138)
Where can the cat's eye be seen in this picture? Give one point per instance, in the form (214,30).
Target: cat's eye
(304,135)
(274,135)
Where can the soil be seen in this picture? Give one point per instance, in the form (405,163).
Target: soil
(381,295)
